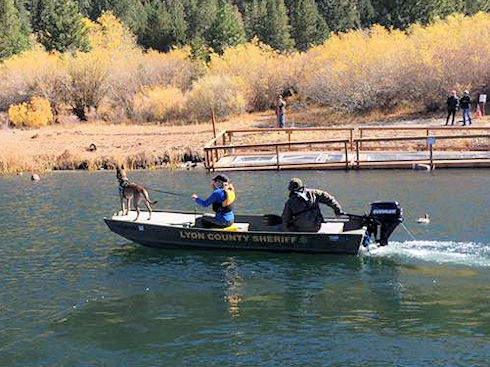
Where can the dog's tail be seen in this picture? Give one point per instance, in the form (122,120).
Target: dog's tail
(147,197)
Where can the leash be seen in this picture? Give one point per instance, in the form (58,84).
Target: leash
(167,192)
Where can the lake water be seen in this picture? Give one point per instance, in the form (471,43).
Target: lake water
(74,294)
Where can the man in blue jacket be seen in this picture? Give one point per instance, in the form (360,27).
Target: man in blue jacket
(222,199)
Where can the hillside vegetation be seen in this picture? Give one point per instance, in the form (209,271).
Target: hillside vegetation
(356,71)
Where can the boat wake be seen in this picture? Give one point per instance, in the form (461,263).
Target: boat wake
(463,253)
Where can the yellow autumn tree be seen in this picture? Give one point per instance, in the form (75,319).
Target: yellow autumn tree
(36,113)
(160,103)
(265,72)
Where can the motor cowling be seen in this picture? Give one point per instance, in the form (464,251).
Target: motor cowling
(384,217)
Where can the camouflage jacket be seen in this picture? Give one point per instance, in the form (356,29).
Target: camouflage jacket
(302,211)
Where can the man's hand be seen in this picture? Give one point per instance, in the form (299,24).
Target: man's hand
(339,212)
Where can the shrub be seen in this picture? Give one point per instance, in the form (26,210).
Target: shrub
(379,68)
(160,103)
(32,73)
(224,95)
(36,113)
(134,71)
(264,71)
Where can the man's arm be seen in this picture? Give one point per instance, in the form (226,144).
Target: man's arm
(327,199)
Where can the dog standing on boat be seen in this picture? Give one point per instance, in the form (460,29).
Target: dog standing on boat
(132,192)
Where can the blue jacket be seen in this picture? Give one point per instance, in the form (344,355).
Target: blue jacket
(218,196)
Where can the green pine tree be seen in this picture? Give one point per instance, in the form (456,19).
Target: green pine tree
(13,38)
(25,22)
(200,14)
(35,8)
(309,27)
(276,28)
(402,13)
(166,25)
(178,21)
(474,6)
(199,50)
(131,12)
(158,31)
(255,16)
(366,12)
(61,26)
(340,15)
(227,29)
(84,6)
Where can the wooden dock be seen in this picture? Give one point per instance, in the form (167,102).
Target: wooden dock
(349,148)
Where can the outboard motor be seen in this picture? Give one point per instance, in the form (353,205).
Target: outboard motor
(384,217)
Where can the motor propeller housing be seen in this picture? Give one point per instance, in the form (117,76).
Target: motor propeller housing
(384,217)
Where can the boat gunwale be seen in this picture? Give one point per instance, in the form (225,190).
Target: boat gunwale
(362,230)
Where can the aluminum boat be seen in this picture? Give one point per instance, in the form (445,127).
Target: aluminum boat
(183,230)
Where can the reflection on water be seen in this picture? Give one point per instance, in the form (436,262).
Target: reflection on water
(75,294)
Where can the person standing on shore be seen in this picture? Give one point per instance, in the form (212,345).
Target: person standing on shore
(281,111)
(465,104)
(452,106)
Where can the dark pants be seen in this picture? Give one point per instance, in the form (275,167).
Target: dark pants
(449,113)
(208,221)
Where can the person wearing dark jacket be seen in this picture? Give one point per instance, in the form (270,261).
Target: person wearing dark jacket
(302,210)
(465,104)
(452,106)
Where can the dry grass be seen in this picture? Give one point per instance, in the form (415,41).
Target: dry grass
(66,146)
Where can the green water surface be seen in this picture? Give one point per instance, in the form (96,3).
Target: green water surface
(74,294)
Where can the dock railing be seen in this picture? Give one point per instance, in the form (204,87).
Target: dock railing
(213,151)
(216,151)
(431,160)
(429,130)
(222,145)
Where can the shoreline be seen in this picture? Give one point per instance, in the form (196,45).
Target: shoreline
(101,146)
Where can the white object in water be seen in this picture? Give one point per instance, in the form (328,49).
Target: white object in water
(424,220)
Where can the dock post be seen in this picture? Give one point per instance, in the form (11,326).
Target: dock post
(360,135)
(230,134)
(351,139)
(357,154)
(277,157)
(346,155)
(431,157)
(211,159)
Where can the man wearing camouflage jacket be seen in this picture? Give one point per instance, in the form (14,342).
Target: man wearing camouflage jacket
(302,211)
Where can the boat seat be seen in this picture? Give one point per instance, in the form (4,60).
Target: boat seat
(235,227)
(331,228)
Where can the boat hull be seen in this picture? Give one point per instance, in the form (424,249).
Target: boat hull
(187,237)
